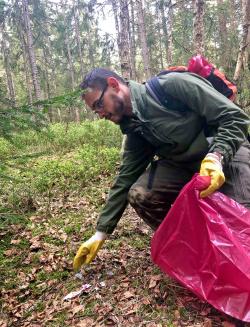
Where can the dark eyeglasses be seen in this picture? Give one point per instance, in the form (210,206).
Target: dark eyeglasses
(98,104)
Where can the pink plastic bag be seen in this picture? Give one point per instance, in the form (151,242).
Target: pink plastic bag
(205,245)
(200,66)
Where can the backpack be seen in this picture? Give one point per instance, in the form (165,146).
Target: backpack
(200,66)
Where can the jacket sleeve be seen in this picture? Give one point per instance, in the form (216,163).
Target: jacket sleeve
(221,114)
(136,157)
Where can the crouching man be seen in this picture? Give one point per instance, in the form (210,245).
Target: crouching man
(204,132)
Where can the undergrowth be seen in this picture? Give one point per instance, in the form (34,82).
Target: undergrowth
(38,167)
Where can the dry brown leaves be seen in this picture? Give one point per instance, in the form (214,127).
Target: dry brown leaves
(126,288)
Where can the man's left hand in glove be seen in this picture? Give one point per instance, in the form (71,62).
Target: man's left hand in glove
(212,166)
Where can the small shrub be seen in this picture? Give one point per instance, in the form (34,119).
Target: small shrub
(75,158)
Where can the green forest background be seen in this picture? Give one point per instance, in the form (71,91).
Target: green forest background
(48,46)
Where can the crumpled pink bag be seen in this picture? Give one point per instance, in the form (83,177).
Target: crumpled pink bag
(200,66)
(205,245)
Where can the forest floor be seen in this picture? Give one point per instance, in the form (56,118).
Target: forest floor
(122,287)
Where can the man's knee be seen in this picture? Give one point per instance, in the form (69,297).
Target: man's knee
(137,196)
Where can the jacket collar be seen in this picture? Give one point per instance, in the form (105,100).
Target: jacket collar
(139,108)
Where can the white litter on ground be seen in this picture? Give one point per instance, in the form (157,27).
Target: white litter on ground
(74,294)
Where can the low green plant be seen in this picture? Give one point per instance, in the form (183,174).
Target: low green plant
(71,157)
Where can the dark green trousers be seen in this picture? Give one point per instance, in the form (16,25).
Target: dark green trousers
(157,188)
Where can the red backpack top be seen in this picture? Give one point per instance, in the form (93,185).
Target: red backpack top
(200,66)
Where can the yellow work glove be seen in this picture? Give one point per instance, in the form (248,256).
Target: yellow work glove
(211,166)
(88,250)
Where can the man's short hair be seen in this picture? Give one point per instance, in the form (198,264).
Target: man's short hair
(97,78)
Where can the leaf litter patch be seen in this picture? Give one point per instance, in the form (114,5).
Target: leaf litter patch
(120,288)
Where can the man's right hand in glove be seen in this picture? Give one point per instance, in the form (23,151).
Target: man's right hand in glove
(88,250)
(211,166)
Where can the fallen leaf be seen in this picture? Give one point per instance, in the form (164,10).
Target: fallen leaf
(23,286)
(205,312)
(15,242)
(42,258)
(177,314)
(128,295)
(85,323)
(146,301)
(10,252)
(77,309)
(35,244)
(207,323)
(152,283)
(64,237)
(156,277)
(133,310)
(125,285)
(227,324)
(33,218)
(3,323)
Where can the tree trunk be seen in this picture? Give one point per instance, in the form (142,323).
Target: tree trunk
(170,33)
(59,115)
(25,65)
(7,68)
(143,38)
(46,75)
(159,29)
(164,28)
(77,115)
(223,34)
(31,51)
(124,39)
(91,53)
(242,60)
(198,27)
(78,38)
(132,40)
(49,57)
(70,62)
(48,85)
(67,45)
(117,27)
(233,17)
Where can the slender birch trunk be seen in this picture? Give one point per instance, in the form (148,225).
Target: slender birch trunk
(164,29)
(170,19)
(48,84)
(7,67)
(132,40)
(49,59)
(25,65)
(143,38)
(223,34)
(124,39)
(198,27)
(242,61)
(31,51)
(117,26)
(78,38)
(70,61)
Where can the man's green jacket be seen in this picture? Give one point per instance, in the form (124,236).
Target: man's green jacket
(179,135)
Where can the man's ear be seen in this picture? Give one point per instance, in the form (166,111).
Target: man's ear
(114,83)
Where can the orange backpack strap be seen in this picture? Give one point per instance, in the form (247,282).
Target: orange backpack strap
(177,69)
(230,85)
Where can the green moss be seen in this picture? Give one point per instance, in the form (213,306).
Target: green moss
(139,242)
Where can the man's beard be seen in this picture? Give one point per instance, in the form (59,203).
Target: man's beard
(119,109)
(119,106)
